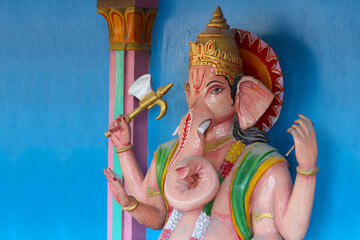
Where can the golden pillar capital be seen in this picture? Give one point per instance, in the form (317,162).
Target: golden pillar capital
(129,27)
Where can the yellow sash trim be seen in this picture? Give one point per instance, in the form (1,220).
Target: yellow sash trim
(231,185)
(259,173)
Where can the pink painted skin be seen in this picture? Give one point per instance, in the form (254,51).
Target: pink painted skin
(208,98)
(150,212)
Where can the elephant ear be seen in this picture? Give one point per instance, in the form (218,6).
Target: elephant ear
(252,100)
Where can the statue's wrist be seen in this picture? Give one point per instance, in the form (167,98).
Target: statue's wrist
(307,171)
(307,166)
(125,148)
(133,203)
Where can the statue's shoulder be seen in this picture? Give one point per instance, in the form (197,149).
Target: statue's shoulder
(164,150)
(169,145)
(261,148)
(257,159)
(163,155)
(259,153)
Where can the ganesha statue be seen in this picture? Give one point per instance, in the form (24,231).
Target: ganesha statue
(220,178)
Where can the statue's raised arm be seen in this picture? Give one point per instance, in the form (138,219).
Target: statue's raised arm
(220,178)
(147,208)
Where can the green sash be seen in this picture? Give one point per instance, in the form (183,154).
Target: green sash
(259,158)
(162,157)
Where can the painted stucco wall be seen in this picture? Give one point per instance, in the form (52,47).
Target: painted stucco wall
(317,43)
(54,64)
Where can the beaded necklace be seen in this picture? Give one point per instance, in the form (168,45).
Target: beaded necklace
(203,219)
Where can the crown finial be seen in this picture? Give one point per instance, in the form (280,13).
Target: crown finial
(216,47)
(218,20)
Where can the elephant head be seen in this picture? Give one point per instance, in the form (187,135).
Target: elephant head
(192,180)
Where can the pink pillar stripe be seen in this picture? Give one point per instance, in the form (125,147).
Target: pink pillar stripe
(110,146)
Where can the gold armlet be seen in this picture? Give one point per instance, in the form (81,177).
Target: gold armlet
(151,192)
(257,216)
(310,172)
(132,207)
(124,149)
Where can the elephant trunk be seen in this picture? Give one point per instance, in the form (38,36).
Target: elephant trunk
(192,180)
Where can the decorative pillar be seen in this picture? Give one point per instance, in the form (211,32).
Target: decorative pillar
(130,25)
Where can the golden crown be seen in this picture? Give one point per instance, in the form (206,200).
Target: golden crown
(216,46)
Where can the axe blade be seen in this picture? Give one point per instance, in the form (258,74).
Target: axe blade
(141,87)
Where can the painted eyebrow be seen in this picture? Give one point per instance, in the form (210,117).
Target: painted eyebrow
(212,82)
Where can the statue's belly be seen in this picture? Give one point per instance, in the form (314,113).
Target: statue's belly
(220,226)
(220,229)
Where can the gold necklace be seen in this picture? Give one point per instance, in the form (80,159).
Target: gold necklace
(211,146)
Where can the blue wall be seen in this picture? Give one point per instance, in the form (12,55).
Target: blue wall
(317,43)
(54,62)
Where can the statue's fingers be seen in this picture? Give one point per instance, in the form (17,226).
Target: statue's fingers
(115,193)
(112,189)
(118,125)
(108,174)
(124,124)
(115,175)
(111,127)
(307,120)
(294,133)
(116,178)
(114,181)
(118,118)
(304,125)
(298,129)
(111,176)
(309,124)
(120,190)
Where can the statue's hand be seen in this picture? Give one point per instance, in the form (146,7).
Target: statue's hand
(117,188)
(120,134)
(305,142)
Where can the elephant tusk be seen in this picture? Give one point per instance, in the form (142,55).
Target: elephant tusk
(176,131)
(204,126)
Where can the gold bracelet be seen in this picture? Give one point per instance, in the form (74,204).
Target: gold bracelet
(310,172)
(124,149)
(131,207)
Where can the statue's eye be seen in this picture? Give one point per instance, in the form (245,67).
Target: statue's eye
(216,91)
